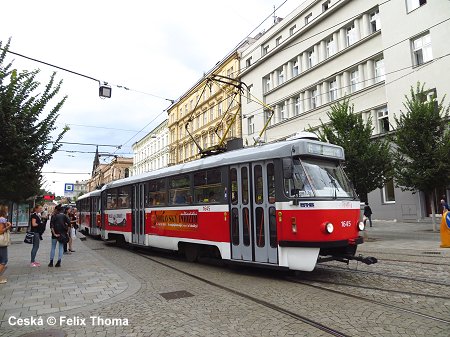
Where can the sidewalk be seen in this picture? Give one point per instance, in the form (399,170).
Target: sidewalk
(44,291)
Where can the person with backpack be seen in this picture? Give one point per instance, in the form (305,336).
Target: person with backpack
(37,228)
(59,225)
(368,214)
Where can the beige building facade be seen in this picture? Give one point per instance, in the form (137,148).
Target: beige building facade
(207,115)
(102,174)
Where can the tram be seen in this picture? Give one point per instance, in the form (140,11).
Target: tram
(89,208)
(285,205)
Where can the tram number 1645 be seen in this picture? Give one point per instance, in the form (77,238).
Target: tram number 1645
(346,223)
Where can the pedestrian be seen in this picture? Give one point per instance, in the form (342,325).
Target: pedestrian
(444,205)
(59,225)
(368,214)
(73,224)
(37,230)
(69,229)
(4,227)
(44,216)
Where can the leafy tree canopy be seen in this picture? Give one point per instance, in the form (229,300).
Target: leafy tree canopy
(422,157)
(367,161)
(25,129)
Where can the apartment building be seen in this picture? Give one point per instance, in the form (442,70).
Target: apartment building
(370,51)
(152,151)
(208,114)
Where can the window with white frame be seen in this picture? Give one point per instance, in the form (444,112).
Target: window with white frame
(295,69)
(333,90)
(383,120)
(249,92)
(191,104)
(297,106)
(380,74)
(278,41)
(213,138)
(283,112)
(205,118)
(308,18)
(388,192)
(422,49)
(331,46)
(413,4)
(219,108)
(280,76)
(313,99)
(197,120)
(325,6)
(248,62)
(292,30)
(211,113)
(351,34)
(265,49)
(267,83)
(311,58)
(205,140)
(375,21)
(250,125)
(354,80)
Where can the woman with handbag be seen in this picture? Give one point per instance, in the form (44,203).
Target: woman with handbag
(58,225)
(36,228)
(4,243)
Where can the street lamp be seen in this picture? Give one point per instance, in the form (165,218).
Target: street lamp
(104,91)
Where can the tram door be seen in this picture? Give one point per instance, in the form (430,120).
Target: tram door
(138,225)
(264,213)
(94,211)
(241,242)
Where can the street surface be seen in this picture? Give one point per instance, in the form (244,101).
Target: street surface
(104,290)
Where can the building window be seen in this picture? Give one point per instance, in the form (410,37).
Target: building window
(191,104)
(413,4)
(379,71)
(351,35)
(251,125)
(389,192)
(331,47)
(422,49)
(333,90)
(280,76)
(211,113)
(325,6)
(308,18)
(311,58)
(267,83)
(297,106)
(292,30)
(249,92)
(219,108)
(197,121)
(205,118)
(283,112)
(265,50)
(383,120)
(295,71)
(278,41)
(313,99)
(248,62)
(354,81)
(375,21)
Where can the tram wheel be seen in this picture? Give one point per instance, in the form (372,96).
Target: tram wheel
(191,252)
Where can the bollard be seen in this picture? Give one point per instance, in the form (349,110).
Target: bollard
(445,230)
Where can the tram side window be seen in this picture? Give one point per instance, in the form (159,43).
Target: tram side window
(244,183)
(111,199)
(124,198)
(156,193)
(271,183)
(180,190)
(259,192)
(208,186)
(234,186)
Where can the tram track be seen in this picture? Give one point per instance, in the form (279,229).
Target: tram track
(305,319)
(416,313)
(266,304)
(347,270)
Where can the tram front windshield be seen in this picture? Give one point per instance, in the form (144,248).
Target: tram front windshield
(318,178)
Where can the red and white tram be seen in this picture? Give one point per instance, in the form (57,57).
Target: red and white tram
(286,204)
(89,210)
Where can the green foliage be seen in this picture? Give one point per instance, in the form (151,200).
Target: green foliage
(422,159)
(26,143)
(367,161)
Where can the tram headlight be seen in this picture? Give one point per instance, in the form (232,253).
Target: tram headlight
(361,226)
(329,228)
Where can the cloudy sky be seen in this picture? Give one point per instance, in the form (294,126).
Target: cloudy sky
(154,48)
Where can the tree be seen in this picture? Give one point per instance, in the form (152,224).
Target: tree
(367,160)
(25,130)
(422,139)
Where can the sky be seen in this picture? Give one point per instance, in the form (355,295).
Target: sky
(157,49)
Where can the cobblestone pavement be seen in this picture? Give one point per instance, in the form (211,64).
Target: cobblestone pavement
(110,282)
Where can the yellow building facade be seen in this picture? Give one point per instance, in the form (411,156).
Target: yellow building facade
(208,115)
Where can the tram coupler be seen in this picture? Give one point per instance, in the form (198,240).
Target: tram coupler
(364,259)
(346,259)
